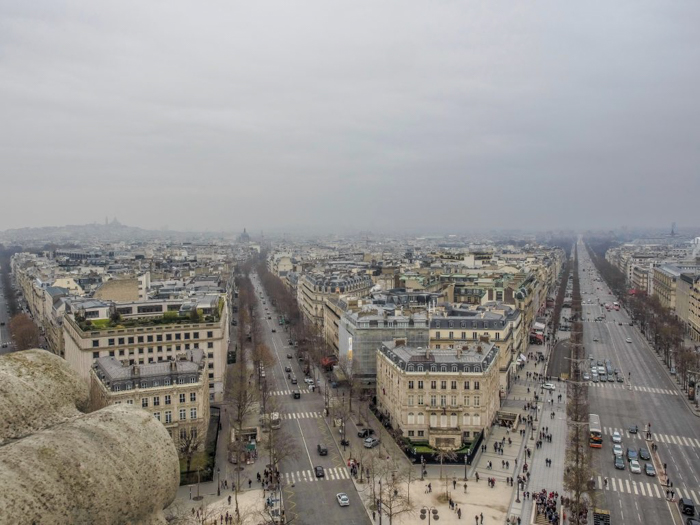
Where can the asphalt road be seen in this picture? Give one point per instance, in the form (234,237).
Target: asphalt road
(4,329)
(308,500)
(647,396)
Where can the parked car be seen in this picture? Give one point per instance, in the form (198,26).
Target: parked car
(365,432)
(322,450)
(319,472)
(343,499)
(371,442)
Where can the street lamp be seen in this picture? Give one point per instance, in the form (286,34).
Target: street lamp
(218,488)
(379,507)
(465,467)
(428,511)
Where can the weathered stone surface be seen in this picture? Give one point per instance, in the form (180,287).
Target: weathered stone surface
(114,466)
(38,389)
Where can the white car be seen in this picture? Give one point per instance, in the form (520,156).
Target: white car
(634,467)
(308,381)
(616,437)
(617,450)
(548,386)
(343,499)
(629,339)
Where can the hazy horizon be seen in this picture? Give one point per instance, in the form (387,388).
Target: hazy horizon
(397,116)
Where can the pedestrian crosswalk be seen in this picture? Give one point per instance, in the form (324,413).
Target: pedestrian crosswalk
(302,390)
(656,438)
(330,474)
(301,415)
(644,488)
(635,388)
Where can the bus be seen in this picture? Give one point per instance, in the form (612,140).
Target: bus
(596,432)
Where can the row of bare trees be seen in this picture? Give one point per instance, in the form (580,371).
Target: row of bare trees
(578,472)
(657,322)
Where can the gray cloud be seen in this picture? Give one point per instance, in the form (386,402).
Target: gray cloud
(325,115)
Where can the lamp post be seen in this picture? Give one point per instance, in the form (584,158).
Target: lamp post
(379,507)
(465,467)
(218,488)
(428,511)
(422,466)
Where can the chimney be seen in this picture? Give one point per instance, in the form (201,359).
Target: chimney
(399,342)
(136,371)
(427,352)
(479,350)
(484,338)
(173,365)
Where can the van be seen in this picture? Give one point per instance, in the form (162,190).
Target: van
(686,506)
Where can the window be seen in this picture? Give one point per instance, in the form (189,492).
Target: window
(110,342)
(210,334)
(159,337)
(421,433)
(140,350)
(111,353)
(420,400)
(453,420)
(420,385)
(411,433)
(178,337)
(131,340)
(433,400)
(183,434)
(498,336)
(476,385)
(410,385)
(443,401)
(166,381)
(454,401)
(183,414)
(160,348)
(149,338)
(121,341)
(187,346)
(193,397)
(193,413)
(195,335)
(95,343)
(168,416)
(411,418)
(464,335)
(156,401)
(420,368)
(144,402)
(437,347)
(476,420)
(150,349)
(466,401)
(421,418)
(129,401)
(443,385)
(187,335)
(466,419)
(95,355)
(453,385)
(452,335)
(167,399)
(433,385)
(437,335)
(433,420)
(410,401)
(477,401)
(182,398)
(140,339)
(193,433)
(210,345)
(474,336)
(466,385)
(156,415)
(168,337)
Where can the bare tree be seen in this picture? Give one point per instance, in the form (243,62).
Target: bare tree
(449,455)
(24,332)
(188,444)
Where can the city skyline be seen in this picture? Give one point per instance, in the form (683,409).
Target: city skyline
(390,117)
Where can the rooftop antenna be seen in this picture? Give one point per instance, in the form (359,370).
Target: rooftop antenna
(673,229)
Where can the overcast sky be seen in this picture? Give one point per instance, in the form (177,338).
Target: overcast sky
(345,116)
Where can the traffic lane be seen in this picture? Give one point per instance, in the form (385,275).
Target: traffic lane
(316,503)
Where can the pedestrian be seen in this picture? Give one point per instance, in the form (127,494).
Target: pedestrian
(430,487)
(481,515)
(374,516)
(476,518)
(454,484)
(465,488)
(250,481)
(229,499)
(476,475)
(459,514)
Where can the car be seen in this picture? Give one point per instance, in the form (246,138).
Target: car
(321,449)
(619,463)
(343,499)
(595,339)
(633,429)
(634,467)
(586,377)
(269,317)
(611,379)
(595,378)
(620,379)
(287,368)
(616,437)
(370,442)
(673,370)
(296,394)
(631,323)
(365,432)
(632,454)
(319,472)
(687,506)
(600,363)
(590,357)
(617,450)
(308,381)
(619,323)
(289,341)
(649,469)
(644,454)
(548,386)
(629,339)
(294,381)
(616,371)
(274,331)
